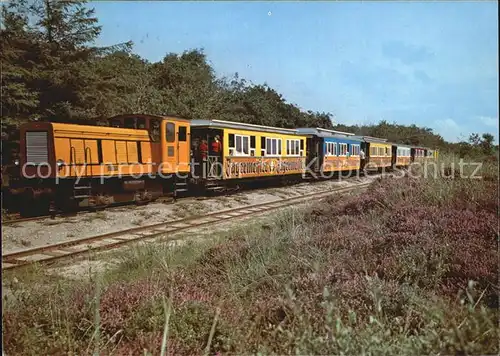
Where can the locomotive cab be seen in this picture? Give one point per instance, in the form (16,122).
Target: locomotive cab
(169,136)
(137,158)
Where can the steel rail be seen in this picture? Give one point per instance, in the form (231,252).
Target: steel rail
(18,219)
(51,253)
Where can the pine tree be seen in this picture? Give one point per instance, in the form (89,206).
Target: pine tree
(19,98)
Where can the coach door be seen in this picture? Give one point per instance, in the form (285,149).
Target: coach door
(183,144)
(169,147)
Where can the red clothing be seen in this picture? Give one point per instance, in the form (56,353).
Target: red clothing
(216,146)
(203,150)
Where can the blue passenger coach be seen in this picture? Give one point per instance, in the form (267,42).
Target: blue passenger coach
(331,151)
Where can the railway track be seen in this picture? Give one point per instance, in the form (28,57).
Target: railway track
(16,218)
(68,249)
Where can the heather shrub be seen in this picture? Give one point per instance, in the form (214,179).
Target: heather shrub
(408,267)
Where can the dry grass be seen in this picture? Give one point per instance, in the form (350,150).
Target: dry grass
(187,209)
(410,267)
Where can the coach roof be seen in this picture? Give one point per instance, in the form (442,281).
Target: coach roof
(372,139)
(221,124)
(321,132)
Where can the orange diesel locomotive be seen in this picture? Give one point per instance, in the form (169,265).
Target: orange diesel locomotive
(82,165)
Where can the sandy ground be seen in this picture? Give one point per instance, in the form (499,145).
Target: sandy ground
(48,231)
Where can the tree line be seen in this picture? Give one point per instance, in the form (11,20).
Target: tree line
(52,70)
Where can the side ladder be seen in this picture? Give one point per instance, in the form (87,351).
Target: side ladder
(180,186)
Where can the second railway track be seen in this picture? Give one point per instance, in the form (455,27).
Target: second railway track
(52,253)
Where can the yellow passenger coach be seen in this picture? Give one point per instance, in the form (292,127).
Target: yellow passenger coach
(248,150)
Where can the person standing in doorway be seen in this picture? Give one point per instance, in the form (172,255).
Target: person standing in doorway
(216,145)
(216,151)
(204,150)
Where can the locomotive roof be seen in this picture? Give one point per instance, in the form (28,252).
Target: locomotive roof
(149,116)
(321,132)
(241,126)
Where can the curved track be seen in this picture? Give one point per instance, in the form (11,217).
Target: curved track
(51,253)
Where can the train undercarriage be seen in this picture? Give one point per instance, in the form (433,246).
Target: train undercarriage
(32,197)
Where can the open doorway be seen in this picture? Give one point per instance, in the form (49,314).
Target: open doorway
(207,153)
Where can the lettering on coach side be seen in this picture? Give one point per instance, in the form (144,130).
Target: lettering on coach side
(237,168)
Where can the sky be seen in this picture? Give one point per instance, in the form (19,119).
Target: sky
(433,64)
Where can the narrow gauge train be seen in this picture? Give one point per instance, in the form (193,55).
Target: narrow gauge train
(139,158)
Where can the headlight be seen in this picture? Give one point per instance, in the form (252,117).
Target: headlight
(60,163)
(16,162)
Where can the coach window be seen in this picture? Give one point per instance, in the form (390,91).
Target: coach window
(141,123)
(230,144)
(241,147)
(135,123)
(129,123)
(182,133)
(273,146)
(115,123)
(292,147)
(155,130)
(170,132)
(343,149)
(237,139)
(246,144)
(269,149)
(262,145)
(252,145)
